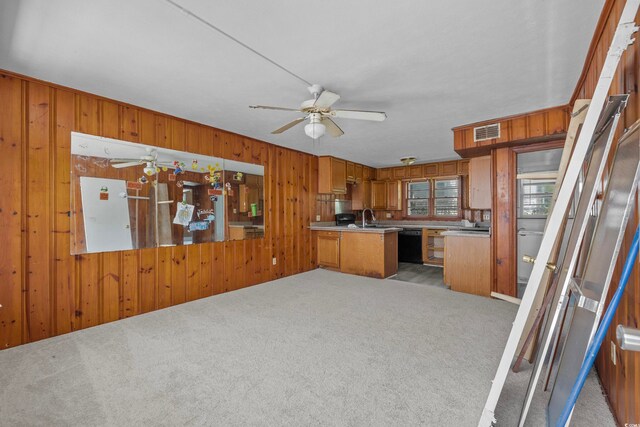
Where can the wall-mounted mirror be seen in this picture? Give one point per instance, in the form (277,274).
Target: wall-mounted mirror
(244,200)
(131,196)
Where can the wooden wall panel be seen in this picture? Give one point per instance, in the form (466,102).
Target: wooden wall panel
(503,222)
(622,380)
(46,291)
(549,124)
(12,122)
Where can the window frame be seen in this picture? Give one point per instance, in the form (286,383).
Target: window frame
(432,198)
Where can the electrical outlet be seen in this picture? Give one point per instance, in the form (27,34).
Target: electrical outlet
(274,261)
(388,214)
(235,210)
(613,353)
(318,218)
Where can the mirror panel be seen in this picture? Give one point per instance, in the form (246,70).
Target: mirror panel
(244,200)
(131,196)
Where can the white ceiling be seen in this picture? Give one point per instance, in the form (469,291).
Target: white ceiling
(430,65)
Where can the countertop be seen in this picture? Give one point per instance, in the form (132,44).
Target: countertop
(467,233)
(374,230)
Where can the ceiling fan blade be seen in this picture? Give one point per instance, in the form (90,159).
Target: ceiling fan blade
(376,116)
(289,125)
(125,164)
(333,129)
(326,99)
(266,107)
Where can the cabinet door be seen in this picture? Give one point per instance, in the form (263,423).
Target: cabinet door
(368,173)
(359,173)
(480,183)
(329,249)
(448,168)
(366,202)
(383,174)
(378,195)
(394,195)
(415,171)
(430,170)
(399,173)
(338,176)
(351,172)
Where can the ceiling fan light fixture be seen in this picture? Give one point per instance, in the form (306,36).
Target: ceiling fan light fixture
(315,128)
(149,170)
(408,160)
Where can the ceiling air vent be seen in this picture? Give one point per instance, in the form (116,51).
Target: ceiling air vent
(483,133)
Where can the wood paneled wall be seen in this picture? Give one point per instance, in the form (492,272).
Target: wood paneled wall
(45,291)
(622,380)
(549,124)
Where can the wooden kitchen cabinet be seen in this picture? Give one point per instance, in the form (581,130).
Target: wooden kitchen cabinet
(332,175)
(369,254)
(430,170)
(433,246)
(448,168)
(386,195)
(415,171)
(351,171)
(328,248)
(394,195)
(378,195)
(467,264)
(383,174)
(361,196)
(368,173)
(480,183)
(359,173)
(399,173)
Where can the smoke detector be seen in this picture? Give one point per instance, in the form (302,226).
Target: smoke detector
(408,160)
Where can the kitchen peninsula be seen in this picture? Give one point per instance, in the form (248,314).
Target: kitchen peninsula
(370,251)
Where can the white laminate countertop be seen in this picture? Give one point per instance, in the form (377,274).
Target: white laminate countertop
(374,230)
(462,233)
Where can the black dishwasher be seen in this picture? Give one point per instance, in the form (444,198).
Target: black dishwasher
(410,246)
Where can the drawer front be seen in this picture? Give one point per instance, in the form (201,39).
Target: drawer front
(328,234)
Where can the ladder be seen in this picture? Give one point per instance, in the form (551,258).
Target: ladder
(621,40)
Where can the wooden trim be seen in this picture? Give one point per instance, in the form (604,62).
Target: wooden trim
(510,117)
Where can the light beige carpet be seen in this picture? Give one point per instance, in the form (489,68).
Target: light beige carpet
(319,348)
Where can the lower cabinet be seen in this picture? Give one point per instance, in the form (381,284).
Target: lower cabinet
(361,253)
(467,264)
(329,249)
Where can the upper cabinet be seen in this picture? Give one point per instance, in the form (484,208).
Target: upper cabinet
(430,170)
(478,139)
(361,196)
(351,172)
(386,195)
(332,175)
(448,168)
(480,183)
(383,174)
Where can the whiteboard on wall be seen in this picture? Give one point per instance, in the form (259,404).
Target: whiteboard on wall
(107,225)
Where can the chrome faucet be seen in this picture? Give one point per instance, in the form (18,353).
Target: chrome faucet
(364,220)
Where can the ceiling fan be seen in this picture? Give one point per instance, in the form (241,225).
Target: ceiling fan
(318,111)
(151,160)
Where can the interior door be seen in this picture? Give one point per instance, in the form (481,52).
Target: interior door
(106,214)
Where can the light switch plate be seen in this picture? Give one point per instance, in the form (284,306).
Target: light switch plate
(318,218)
(388,214)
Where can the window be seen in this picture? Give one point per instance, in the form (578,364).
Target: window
(446,197)
(418,198)
(433,198)
(535,197)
